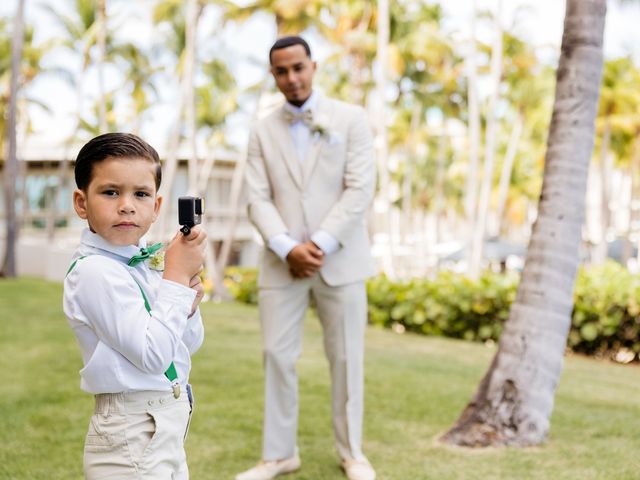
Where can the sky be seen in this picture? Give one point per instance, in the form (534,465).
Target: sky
(245,47)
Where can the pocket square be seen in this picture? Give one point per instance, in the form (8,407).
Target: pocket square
(334,138)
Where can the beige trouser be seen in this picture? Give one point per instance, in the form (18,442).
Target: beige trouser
(138,435)
(343,314)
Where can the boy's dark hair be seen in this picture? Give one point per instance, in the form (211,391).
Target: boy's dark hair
(285,42)
(113,145)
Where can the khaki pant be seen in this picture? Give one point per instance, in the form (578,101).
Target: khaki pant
(342,312)
(138,435)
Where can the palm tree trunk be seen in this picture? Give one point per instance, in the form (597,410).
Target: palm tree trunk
(471,188)
(191,19)
(11,158)
(507,169)
(102,48)
(185,108)
(382,152)
(514,400)
(169,173)
(439,201)
(627,249)
(212,266)
(600,251)
(407,211)
(478,234)
(634,204)
(236,186)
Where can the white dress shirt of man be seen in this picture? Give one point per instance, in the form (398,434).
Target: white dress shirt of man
(311,178)
(136,327)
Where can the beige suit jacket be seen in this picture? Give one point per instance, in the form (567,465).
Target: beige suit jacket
(330,190)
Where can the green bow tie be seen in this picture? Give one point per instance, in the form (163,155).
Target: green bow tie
(144,254)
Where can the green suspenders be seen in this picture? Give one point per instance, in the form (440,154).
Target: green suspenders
(171,373)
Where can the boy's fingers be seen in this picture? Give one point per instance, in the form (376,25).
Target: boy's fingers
(202,236)
(197,235)
(192,234)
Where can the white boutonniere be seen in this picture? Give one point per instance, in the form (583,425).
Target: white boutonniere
(156,261)
(320,127)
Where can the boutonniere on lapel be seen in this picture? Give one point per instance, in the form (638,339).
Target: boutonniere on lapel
(319,126)
(156,261)
(154,255)
(320,130)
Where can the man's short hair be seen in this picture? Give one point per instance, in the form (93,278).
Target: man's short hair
(113,145)
(290,41)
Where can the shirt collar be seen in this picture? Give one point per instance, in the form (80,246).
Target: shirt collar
(95,241)
(310,104)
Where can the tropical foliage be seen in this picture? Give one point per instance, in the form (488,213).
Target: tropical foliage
(605,320)
(426,95)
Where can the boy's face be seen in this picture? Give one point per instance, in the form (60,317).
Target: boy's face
(121,201)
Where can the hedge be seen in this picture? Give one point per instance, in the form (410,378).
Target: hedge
(605,320)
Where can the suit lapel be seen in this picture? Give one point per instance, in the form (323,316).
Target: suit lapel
(316,142)
(287,149)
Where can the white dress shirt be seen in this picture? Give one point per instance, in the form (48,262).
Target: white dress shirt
(282,243)
(124,348)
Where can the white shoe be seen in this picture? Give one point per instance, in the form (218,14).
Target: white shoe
(358,469)
(271,469)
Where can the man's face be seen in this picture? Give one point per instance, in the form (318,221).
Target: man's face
(293,72)
(121,201)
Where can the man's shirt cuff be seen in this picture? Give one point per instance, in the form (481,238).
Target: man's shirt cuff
(282,244)
(327,242)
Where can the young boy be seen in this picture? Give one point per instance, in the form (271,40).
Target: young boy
(137,327)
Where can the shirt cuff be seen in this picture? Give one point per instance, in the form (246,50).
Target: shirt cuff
(282,244)
(176,293)
(327,242)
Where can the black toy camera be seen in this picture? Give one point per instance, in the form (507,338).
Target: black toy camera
(190,210)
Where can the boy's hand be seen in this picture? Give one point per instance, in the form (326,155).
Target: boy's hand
(196,284)
(184,256)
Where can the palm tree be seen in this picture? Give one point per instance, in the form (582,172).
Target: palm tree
(101,42)
(514,400)
(427,73)
(529,84)
(139,75)
(105,104)
(215,101)
(352,27)
(382,141)
(212,109)
(183,26)
(480,224)
(474,125)
(80,35)
(619,89)
(11,160)
(289,19)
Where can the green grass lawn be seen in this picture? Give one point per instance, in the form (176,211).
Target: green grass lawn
(415,388)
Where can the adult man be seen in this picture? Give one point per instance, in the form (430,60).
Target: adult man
(311,177)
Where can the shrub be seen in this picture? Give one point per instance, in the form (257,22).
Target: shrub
(242,283)
(606,313)
(605,321)
(451,305)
